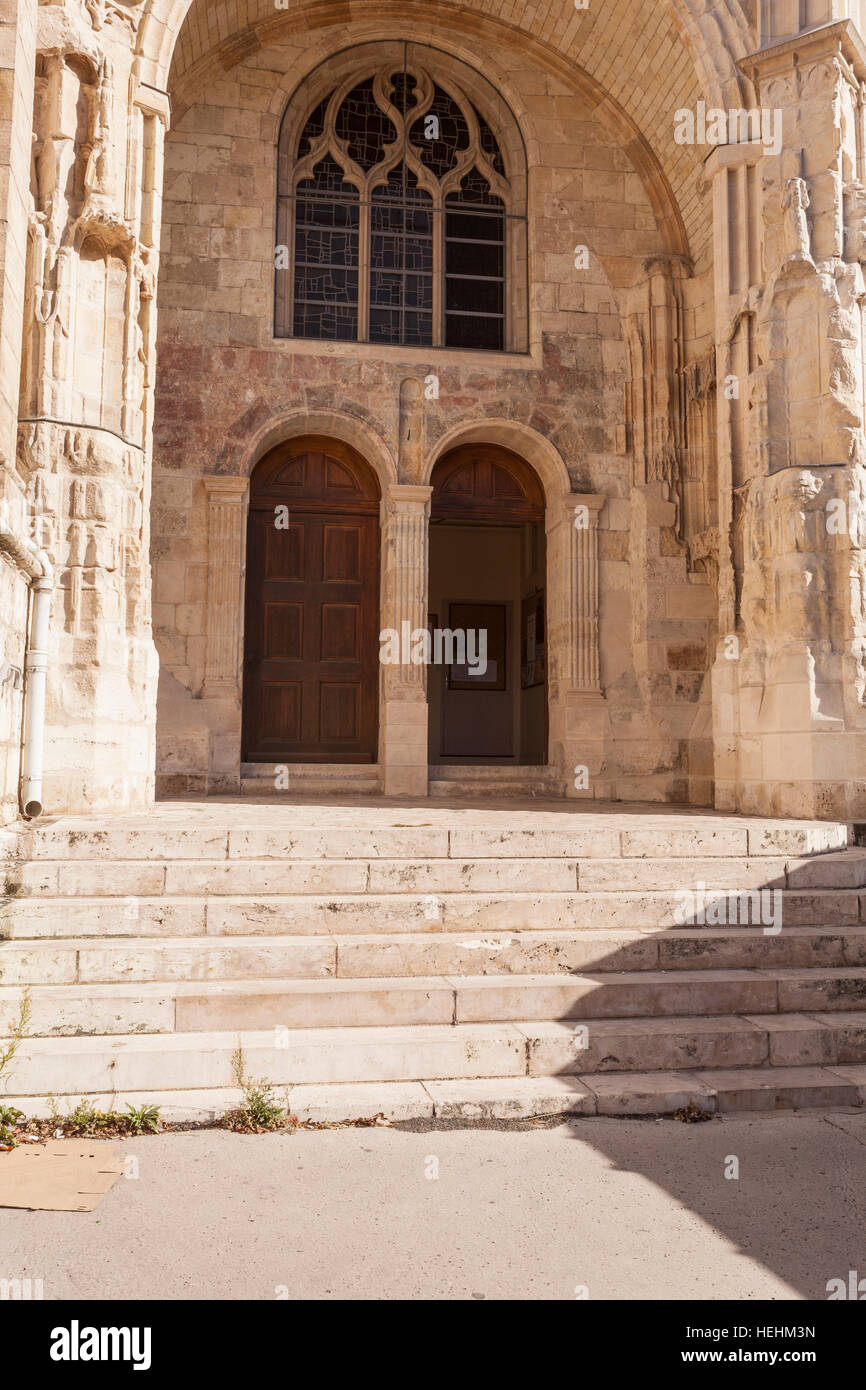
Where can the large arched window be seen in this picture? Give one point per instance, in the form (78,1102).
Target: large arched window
(397,214)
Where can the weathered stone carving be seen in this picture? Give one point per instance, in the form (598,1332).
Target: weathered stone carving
(795,201)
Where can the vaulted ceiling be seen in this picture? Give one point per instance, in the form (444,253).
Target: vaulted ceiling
(636,61)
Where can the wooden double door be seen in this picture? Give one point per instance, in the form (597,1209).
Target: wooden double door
(311,667)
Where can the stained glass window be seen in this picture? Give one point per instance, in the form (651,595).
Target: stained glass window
(395,199)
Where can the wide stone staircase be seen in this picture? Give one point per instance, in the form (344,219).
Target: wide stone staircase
(436,959)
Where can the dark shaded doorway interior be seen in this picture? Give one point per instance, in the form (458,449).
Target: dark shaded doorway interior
(487,588)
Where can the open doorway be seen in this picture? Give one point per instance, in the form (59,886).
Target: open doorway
(487,686)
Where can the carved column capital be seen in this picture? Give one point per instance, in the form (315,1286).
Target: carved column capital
(406,499)
(227,489)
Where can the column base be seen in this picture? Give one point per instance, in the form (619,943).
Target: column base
(403,748)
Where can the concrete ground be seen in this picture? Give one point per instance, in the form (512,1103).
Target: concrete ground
(622,1209)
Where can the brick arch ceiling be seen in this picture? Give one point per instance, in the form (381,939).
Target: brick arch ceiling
(637,61)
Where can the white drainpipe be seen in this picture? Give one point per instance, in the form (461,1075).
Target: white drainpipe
(35,565)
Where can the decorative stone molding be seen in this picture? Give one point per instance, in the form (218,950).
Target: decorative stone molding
(582,513)
(227,511)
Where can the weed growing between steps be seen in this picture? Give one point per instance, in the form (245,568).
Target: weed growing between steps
(259,1110)
(258,1113)
(9,1117)
(83,1121)
(692,1114)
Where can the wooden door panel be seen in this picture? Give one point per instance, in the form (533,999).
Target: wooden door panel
(341,553)
(284,631)
(284,552)
(340,713)
(483,482)
(311,667)
(340,632)
(280,713)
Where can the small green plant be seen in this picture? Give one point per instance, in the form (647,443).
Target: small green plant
(259,1108)
(144,1120)
(17,1032)
(9,1118)
(85,1121)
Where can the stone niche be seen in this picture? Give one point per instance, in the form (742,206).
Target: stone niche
(632,624)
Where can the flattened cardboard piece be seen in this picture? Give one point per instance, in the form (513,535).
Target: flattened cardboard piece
(62,1175)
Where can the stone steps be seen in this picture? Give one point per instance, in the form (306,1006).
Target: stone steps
(369,955)
(52,878)
(344,1073)
(519,1097)
(495,783)
(89,960)
(287,832)
(209,1005)
(311,779)
(311,914)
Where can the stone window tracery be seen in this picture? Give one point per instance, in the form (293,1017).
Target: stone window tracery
(397,209)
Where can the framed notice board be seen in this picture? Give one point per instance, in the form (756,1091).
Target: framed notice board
(533,641)
(492,620)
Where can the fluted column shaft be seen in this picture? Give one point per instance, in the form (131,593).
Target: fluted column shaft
(227,510)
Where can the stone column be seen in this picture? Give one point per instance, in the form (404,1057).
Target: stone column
(578,715)
(403,687)
(226,523)
(223,684)
(583,511)
(735,174)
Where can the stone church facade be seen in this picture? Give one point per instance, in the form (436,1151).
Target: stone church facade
(322,321)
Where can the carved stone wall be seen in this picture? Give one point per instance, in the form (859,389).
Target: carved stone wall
(85,406)
(789,673)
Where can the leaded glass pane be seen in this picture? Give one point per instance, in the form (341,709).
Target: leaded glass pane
(314,128)
(489,144)
(474,266)
(401,261)
(440,133)
(365,128)
(327,213)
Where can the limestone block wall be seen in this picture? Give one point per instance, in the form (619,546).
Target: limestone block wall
(226,386)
